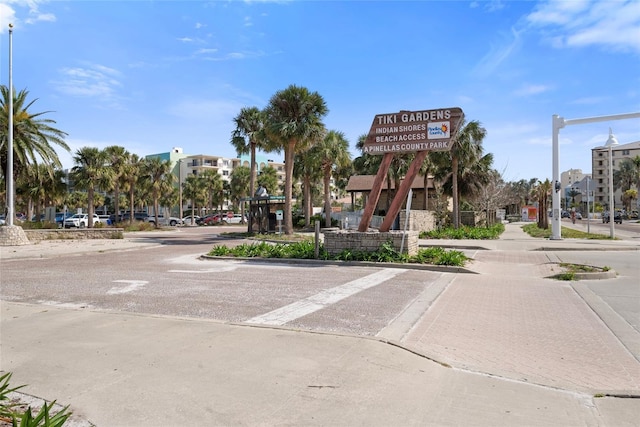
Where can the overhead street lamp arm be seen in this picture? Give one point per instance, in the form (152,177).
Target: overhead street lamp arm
(558,123)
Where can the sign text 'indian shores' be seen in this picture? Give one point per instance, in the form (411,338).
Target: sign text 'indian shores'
(412,131)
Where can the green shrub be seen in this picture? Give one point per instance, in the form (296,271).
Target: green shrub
(465,232)
(42,419)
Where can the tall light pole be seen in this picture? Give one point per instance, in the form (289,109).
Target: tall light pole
(611,142)
(558,123)
(180,185)
(10,192)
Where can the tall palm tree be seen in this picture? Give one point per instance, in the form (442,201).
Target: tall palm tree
(91,174)
(131,172)
(160,179)
(247,137)
(466,150)
(542,192)
(212,182)
(332,152)
(193,189)
(240,179)
(308,169)
(117,156)
(33,135)
(293,122)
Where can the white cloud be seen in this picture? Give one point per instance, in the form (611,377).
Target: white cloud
(7,16)
(499,53)
(205,51)
(614,25)
(90,81)
(531,90)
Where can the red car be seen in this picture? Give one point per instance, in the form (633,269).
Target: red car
(210,219)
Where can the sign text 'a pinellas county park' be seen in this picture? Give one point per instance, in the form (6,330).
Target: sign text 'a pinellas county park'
(412,131)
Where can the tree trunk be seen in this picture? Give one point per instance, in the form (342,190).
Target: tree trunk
(307,201)
(327,197)
(288,188)
(252,179)
(454,179)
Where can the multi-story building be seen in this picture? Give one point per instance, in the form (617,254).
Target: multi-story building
(601,174)
(183,165)
(569,181)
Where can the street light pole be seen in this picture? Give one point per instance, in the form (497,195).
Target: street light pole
(180,186)
(558,123)
(10,192)
(612,141)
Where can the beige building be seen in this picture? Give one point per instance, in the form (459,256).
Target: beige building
(600,169)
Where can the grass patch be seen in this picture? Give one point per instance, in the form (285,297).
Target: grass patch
(572,269)
(305,250)
(465,232)
(565,232)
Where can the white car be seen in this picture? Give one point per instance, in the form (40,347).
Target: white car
(187,220)
(233,219)
(80,221)
(172,221)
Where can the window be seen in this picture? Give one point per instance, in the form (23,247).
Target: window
(625,152)
(600,181)
(599,162)
(225,173)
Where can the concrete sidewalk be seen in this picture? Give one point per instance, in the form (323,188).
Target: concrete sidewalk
(132,370)
(500,348)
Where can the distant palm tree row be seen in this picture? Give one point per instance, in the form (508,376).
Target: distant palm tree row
(290,123)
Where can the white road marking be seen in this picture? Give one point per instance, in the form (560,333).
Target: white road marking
(323,299)
(133,285)
(206,270)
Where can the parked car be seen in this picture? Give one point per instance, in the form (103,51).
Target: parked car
(80,221)
(172,221)
(617,217)
(187,220)
(137,216)
(210,219)
(234,219)
(61,216)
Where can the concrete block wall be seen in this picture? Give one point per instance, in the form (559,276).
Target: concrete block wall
(419,220)
(78,234)
(335,241)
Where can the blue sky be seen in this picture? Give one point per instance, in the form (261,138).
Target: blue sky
(152,75)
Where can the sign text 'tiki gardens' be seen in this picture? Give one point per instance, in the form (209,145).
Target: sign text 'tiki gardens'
(412,131)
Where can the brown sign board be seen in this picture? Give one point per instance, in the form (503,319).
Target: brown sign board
(413,131)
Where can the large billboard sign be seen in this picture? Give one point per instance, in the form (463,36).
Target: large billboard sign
(412,131)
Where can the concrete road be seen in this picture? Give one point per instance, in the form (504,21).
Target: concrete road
(148,334)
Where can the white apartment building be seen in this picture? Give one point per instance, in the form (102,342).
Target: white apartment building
(600,169)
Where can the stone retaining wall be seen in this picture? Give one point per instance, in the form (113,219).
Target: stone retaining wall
(77,234)
(335,241)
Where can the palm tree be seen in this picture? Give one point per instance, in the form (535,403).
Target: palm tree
(308,168)
(33,135)
(332,152)
(268,179)
(131,172)
(212,182)
(117,156)
(293,122)
(240,178)
(193,189)
(160,179)
(247,136)
(466,150)
(91,174)
(541,192)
